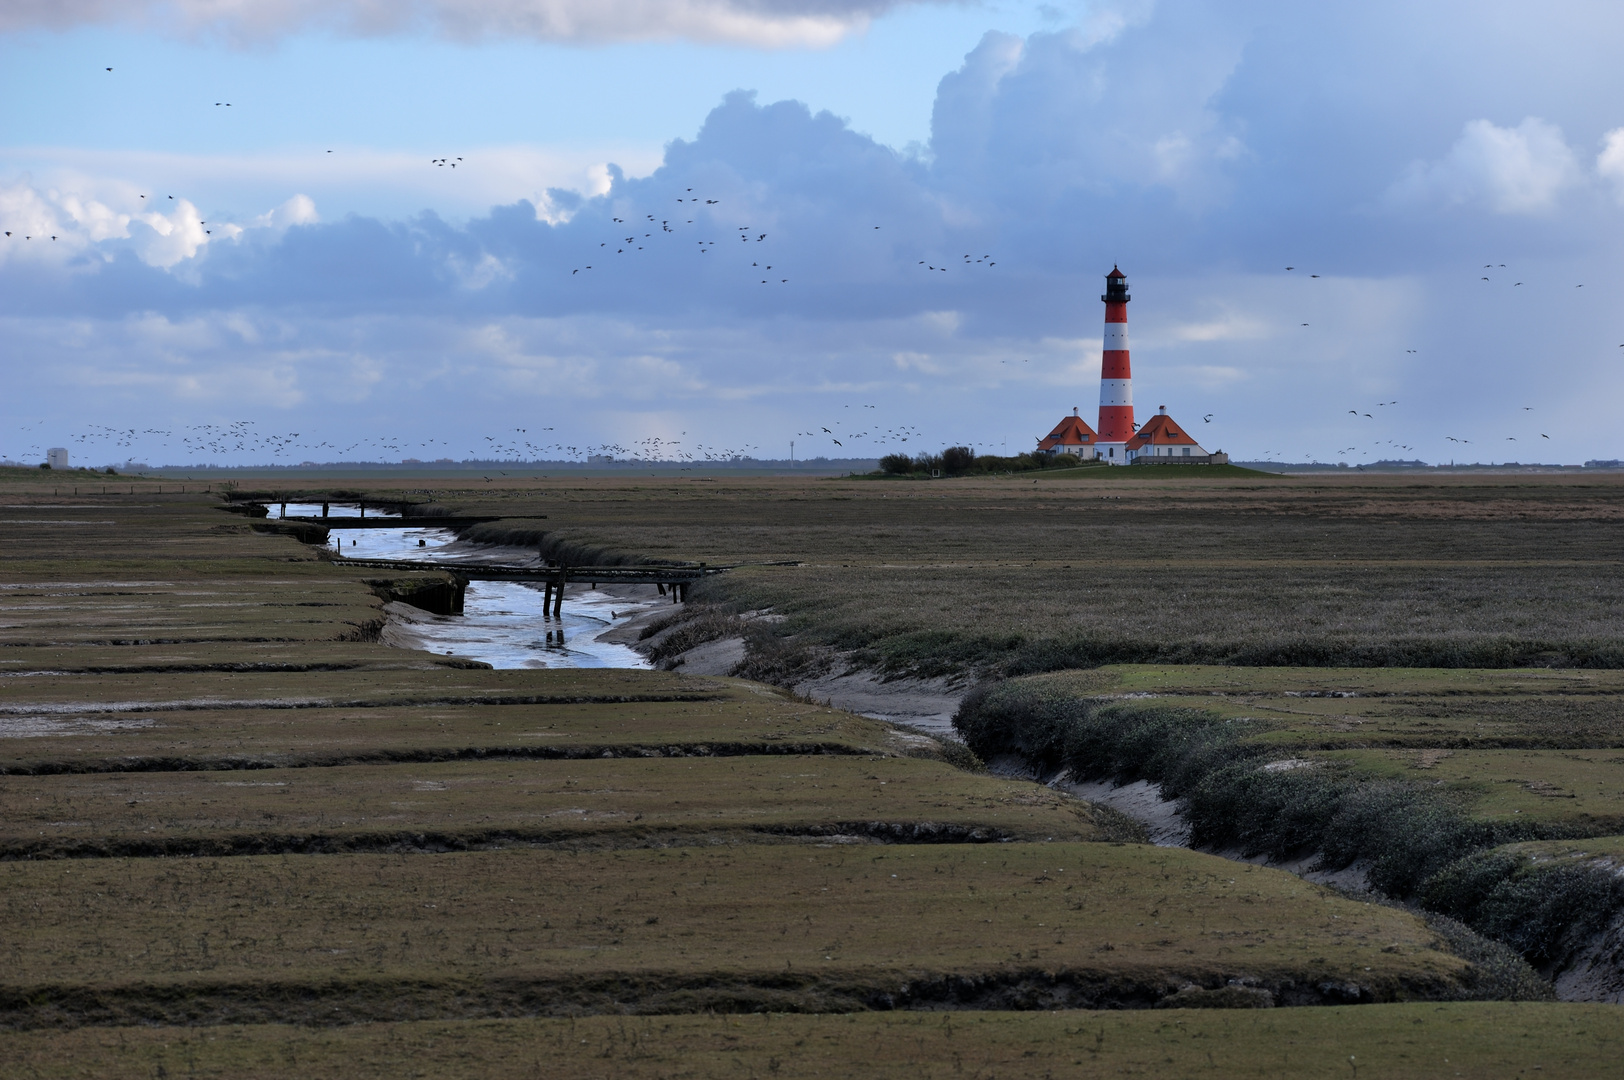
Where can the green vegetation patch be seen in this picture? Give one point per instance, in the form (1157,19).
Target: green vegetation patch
(1572,789)
(1328,708)
(1416,1041)
(355,937)
(620,802)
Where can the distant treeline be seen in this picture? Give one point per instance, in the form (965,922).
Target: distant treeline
(962,461)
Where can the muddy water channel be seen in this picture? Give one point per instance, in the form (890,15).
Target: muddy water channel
(503,622)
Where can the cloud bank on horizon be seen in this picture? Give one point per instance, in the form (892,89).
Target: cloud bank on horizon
(1448,202)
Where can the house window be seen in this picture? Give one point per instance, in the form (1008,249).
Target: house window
(1186,451)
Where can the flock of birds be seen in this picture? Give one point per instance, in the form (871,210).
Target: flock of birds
(896,434)
(1393,445)
(206,443)
(661,232)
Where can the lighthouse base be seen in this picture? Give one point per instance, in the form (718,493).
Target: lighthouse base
(1111,453)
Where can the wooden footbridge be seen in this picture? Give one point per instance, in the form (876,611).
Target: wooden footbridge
(378,522)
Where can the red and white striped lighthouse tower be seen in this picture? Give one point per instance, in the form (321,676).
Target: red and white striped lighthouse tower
(1116,379)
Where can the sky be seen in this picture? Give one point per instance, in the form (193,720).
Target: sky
(279,231)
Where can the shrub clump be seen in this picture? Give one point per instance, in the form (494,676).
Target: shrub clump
(1546,909)
(1232,796)
(963,461)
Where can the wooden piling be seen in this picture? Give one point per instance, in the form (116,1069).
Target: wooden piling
(558,599)
(547,602)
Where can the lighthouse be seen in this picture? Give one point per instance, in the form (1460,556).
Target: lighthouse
(1116,379)
(1119,441)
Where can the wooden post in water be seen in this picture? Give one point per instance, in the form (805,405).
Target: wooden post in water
(547,602)
(558,598)
(324,509)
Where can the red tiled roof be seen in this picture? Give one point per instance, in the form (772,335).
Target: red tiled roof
(1071,431)
(1160,430)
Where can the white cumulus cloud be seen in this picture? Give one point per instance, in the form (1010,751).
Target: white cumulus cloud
(80,215)
(760,23)
(1610,162)
(1520,170)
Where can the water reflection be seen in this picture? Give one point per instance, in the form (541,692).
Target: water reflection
(504,623)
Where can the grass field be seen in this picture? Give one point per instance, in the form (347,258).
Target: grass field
(1577,789)
(544,717)
(793,928)
(1090,566)
(1402,1042)
(175,682)
(591,802)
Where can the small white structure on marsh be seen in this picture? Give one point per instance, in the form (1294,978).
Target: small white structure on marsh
(57,457)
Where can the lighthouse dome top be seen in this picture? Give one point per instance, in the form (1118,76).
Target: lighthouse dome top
(1116,287)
